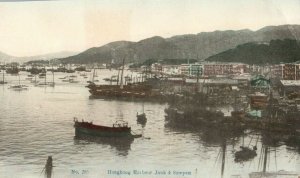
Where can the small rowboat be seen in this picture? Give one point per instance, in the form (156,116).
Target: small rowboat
(119,129)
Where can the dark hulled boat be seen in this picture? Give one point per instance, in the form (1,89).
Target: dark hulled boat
(119,129)
(141,118)
(12,70)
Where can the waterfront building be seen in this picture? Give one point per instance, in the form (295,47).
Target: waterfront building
(156,68)
(213,69)
(191,69)
(286,71)
(289,86)
(171,69)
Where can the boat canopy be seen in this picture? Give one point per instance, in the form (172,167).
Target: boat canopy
(260,81)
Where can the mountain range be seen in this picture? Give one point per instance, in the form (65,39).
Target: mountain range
(8,58)
(191,46)
(277,51)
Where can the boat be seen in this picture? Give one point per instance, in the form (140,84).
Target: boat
(258,100)
(245,154)
(45,83)
(18,87)
(12,70)
(237,112)
(271,174)
(71,80)
(3,81)
(141,118)
(119,90)
(118,129)
(70,71)
(107,79)
(82,74)
(63,77)
(42,75)
(35,71)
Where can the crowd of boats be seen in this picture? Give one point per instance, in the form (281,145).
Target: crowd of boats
(254,109)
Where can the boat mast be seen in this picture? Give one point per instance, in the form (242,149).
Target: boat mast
(45,76)
(223,158)
(93,74)
(121,82)
(52,75)
(3,76)
(265,159)
(143,108)
(118,78)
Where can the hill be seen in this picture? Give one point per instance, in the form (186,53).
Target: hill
(8,58)
(193,46)
(275,52)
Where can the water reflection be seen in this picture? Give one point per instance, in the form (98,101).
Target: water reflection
(121,145)
(246,141)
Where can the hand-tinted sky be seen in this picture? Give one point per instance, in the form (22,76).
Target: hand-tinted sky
(38,27)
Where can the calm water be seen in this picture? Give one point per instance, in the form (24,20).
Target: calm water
(39,122)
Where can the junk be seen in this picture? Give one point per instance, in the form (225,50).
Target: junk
(245,154)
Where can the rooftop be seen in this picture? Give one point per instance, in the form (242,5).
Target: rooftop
(290,82)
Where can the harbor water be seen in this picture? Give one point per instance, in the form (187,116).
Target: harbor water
(38,122)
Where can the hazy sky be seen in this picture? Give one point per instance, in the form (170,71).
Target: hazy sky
(39,27)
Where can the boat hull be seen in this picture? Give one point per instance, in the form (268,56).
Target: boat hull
(101,131)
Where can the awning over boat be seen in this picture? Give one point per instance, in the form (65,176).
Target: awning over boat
(255,113)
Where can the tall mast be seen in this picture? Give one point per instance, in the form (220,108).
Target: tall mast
(121,83)
(118,78)
(3,76)
(295,72)
(143,108)
(45,76)
(93,74)
(265,159)
(52,75)
(223,158)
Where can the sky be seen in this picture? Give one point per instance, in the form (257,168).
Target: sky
(39,27)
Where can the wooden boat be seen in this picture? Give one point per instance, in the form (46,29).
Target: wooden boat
(42,75)
(119,129)
(141,118)
(107,79)
(3,81)
(63,77)
(18,87)
(245,154)
(238,114)
(12,70)
(73,81)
